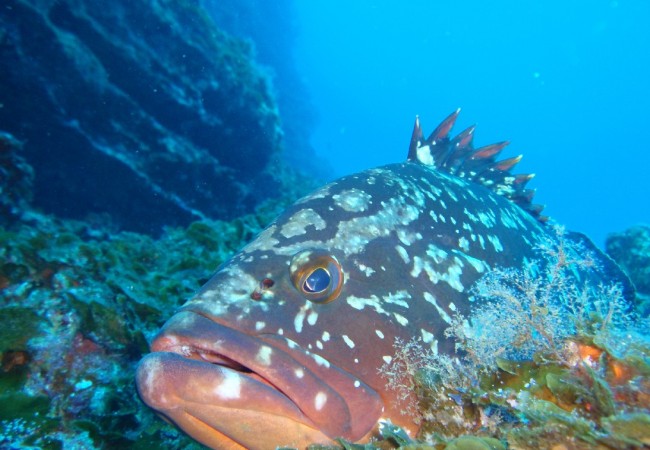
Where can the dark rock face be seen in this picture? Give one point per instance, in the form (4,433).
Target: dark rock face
(143,110)
(631,250)
(270,27)
(16,178)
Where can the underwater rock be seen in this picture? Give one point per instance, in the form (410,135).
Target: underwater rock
(146,111)
(16,179)
(631,250)
(272,28)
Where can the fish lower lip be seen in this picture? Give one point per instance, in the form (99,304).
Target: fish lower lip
(216,404)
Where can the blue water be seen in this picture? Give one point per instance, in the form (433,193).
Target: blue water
(565,81)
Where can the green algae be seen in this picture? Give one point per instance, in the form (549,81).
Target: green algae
(474,443)
(19,325)
(632,429)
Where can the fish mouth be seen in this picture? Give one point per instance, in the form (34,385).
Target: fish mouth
(230,389)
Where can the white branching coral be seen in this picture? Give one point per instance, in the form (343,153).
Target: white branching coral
(539,313)
(521,313)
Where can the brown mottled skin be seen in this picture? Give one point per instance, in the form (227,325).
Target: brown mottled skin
(264,356)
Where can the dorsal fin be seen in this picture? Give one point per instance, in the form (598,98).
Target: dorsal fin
(457,156)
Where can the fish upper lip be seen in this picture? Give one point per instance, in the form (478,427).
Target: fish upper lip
(209,356)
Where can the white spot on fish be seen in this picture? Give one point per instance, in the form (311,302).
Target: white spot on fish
(496,243)
(319,401)
(427,337)
(264,355)
(401,251)
(424,155)
(401,319)
(299,373)
(487,219)
(259,326)
(312,317)
(431,299)
(398,298)
(298,223)
(366,270)
(326,336)
(379,333)
(230,387)
(348,341)
(321,361)
(319,344)
(299,320)
(387,358)
(471,216)
(360,303)
(357,383)
(352,200)
(407,237)
(477,264)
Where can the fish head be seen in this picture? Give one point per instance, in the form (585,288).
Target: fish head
(283,345)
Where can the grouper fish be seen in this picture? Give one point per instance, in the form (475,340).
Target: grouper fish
(283,345)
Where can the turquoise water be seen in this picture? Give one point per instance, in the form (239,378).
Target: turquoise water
(565,82)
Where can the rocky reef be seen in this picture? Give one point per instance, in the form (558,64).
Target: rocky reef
(269,26)
(631,250)
(78,304)
(16,179)
(146,112)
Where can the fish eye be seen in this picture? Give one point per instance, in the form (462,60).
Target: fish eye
(317,281)
(316,275)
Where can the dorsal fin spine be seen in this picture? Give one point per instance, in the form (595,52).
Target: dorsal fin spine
(458,157)
(416,140)
(442,130)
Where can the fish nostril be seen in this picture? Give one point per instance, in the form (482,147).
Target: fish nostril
(267,283)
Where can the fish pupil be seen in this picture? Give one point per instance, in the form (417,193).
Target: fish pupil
(317,281)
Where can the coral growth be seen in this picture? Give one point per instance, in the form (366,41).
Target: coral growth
(547,361)
(521,313)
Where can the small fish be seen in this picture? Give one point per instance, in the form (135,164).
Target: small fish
(283,345)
